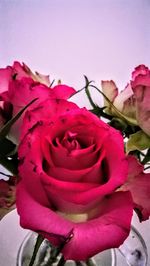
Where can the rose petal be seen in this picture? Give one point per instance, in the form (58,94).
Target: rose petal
(23,71)
(125,102)
(110,90)
(44,79)
(63,91)
(48,111)
(79,193)
(5,75)
(35,212)
(63,158)
(38,183)
(134,167)
(116,164)
(94,173)
(141,69)
(32,149)
(85,241)
(91,237)
(138,184)
(21,92)
(141,88)
(115,179)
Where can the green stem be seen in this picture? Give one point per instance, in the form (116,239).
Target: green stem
(36,248)
(78,263)
(52,83)
(99,112)
(148,167)
(62,261)
(53,256)
(89,82)
(90,262)
(89,96)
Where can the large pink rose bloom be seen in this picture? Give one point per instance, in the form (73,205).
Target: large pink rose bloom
(132,102)
(71,165)
(19,86)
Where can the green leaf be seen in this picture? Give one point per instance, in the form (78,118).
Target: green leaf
(146,158)
(138,141)
(38,243)
(118,123)
(5,129)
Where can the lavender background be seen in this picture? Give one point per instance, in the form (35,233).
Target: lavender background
(104,39)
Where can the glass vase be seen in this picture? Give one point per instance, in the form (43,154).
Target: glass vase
(133,252)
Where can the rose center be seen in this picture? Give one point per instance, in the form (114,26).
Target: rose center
(70,141)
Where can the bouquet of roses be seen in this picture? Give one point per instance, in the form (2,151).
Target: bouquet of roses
(74,178)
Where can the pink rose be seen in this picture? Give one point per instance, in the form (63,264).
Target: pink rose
(141,88)
(133,101)
(71,165)
(19,86)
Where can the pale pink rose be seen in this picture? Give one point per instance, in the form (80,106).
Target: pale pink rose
(18,71)
(141,89)
(138,183)
(71,165)
(7,75)
(132,103)
(21,88)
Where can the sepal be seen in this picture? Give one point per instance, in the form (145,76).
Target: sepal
(7,195)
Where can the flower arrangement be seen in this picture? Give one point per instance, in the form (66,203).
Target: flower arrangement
(74,178)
